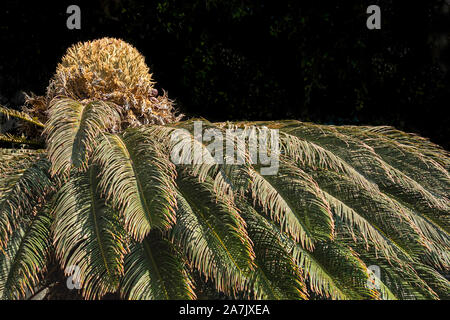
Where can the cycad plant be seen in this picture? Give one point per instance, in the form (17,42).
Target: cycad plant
(90,187)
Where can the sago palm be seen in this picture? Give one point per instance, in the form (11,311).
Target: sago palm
(90,183)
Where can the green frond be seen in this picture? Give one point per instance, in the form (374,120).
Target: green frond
(197,153)
(384,213)
(411,158)
(267,189)
(88,235)
(72,129)
(434,279)
(413,141)
(385,291)
(294,200)
(25,257)
(276,275)
(9,113)
(348,271)
(190,149)
(155,270)
(399,278)
(320,280)
(378,249)
(21,193)
(359,227)
(330,271)
(19,140)
(390,180)
(231,182)
(307,153)
(213,235)
(14,161)
(138,179)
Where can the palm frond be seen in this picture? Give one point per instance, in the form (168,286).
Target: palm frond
(392,219)
(410,140)
(340,264)
(9,113)
(138,179)
(72,129)
(411,158)
(19,140)
(390,180)
(276,275)
(22,193)
(25,257)
(213,235)
(294,200)
(399,278)
(360,227)
(437,282)
(14,161)
(155,270)
(307,153)
(88,235)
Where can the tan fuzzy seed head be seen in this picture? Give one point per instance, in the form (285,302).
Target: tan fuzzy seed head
(110,70)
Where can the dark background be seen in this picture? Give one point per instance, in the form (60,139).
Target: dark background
(256,60)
